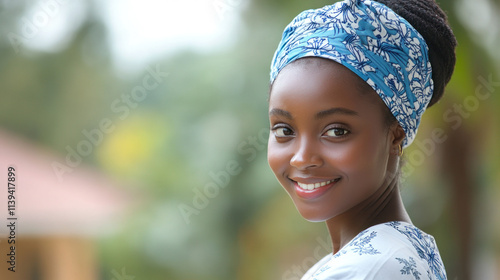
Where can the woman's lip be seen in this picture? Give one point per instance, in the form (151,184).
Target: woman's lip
(314,193)
(304,180)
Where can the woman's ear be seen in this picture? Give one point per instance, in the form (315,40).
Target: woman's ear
(397,135)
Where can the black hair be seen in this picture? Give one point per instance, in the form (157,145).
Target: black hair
(432,23)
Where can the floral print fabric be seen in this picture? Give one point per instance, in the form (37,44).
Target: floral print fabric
(394,250)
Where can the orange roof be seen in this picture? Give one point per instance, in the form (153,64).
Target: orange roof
(84,202)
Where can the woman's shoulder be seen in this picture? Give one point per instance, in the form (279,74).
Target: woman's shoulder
(386,251)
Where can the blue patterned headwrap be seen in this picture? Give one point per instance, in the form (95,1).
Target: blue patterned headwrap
(376,44)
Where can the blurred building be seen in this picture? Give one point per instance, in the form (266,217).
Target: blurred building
(58,220)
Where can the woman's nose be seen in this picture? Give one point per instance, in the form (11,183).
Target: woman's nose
(306,155)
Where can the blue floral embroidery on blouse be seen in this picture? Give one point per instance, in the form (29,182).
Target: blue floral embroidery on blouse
(425,246)
(409,268)
(361,245)
(384,250)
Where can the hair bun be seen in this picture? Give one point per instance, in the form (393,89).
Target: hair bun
(431,22)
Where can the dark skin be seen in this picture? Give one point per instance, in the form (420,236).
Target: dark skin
(327,126)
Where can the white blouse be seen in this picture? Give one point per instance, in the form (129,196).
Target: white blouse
(394,250)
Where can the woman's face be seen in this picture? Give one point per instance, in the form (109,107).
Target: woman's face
(329,146)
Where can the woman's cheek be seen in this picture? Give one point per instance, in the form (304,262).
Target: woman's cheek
(371,161)
(354,159)
(343,157)
(276,158)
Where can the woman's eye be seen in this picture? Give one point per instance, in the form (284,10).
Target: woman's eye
(282,132)
(337,132)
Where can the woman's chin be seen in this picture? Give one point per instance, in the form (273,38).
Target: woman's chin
(312,216)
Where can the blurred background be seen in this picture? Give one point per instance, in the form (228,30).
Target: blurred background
(138,133)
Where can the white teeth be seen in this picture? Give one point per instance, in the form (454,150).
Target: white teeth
(311,187)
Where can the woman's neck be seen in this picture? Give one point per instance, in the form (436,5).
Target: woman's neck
(385,205)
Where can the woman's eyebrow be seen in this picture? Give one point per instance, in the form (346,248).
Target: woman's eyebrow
(333,111)
(280,112)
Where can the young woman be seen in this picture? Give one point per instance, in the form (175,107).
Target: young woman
(349,84)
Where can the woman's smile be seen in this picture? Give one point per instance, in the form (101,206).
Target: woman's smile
(312,190)
(312,186)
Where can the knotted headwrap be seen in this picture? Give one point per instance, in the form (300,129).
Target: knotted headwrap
(376,44)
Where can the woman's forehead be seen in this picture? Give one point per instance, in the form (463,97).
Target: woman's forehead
(309,88)
(307,78)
